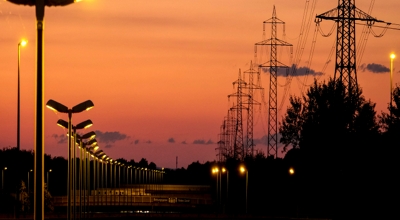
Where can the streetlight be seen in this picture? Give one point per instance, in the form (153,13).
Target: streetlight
(56,106)
(2,177)
(21,43)
(392,56)
(48,185)
(39,133)
(28,179)
(215,171)
(244,170)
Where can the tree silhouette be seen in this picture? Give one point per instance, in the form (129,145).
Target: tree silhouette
(335,132)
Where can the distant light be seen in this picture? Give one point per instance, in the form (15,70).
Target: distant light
(291,171)
(242,169)
(392,56)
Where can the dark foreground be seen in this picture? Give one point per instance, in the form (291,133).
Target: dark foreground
(164,216)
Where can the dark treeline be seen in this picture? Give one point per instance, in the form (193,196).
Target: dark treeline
(344,153)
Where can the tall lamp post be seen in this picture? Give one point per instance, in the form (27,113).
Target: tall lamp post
(21,43)
(48,183)
(216,172)
(392,56)
(39,120)
(2,177)
(244,170)
(56,106)
(29,178)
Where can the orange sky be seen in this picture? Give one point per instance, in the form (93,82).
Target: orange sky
(159,72)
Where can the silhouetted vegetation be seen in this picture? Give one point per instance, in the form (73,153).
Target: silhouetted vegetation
(342,152)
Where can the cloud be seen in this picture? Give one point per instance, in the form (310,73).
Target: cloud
(171,140)
(137,141)
(199,141)
(61,139)
(301,71)
(374,68)
(110,137)
(183,142)
(263,140)
(108,146)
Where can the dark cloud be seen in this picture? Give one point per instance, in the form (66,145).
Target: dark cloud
(108,146)
(148,142)
(263,140)
(110,137)
(61,139)
(183,142)
(171,140)
(374,68)
(203,142)
(299,71)
(136,142)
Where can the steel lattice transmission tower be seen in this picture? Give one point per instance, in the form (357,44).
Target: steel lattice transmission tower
(251,87)
(238,146)
(273,65)
(346,15)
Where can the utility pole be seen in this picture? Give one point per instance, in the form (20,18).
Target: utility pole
(273,64)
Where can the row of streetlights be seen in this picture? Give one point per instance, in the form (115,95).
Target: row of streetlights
(218,171)
(89,149)
(71,183)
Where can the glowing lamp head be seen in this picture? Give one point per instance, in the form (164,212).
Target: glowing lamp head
(223,170)
(23,43)
(392,56)
(242,169)
(291,171)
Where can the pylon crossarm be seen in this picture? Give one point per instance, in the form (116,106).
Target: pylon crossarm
(273,41)
(329,15)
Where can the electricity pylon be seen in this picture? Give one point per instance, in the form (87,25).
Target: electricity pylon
(346,15)
(273,65)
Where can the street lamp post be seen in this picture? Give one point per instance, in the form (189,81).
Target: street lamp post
(28,179)
(216,172)
(244,170)
(39,120)
(48,183)
(392,56)
(2,177)
(21,43)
